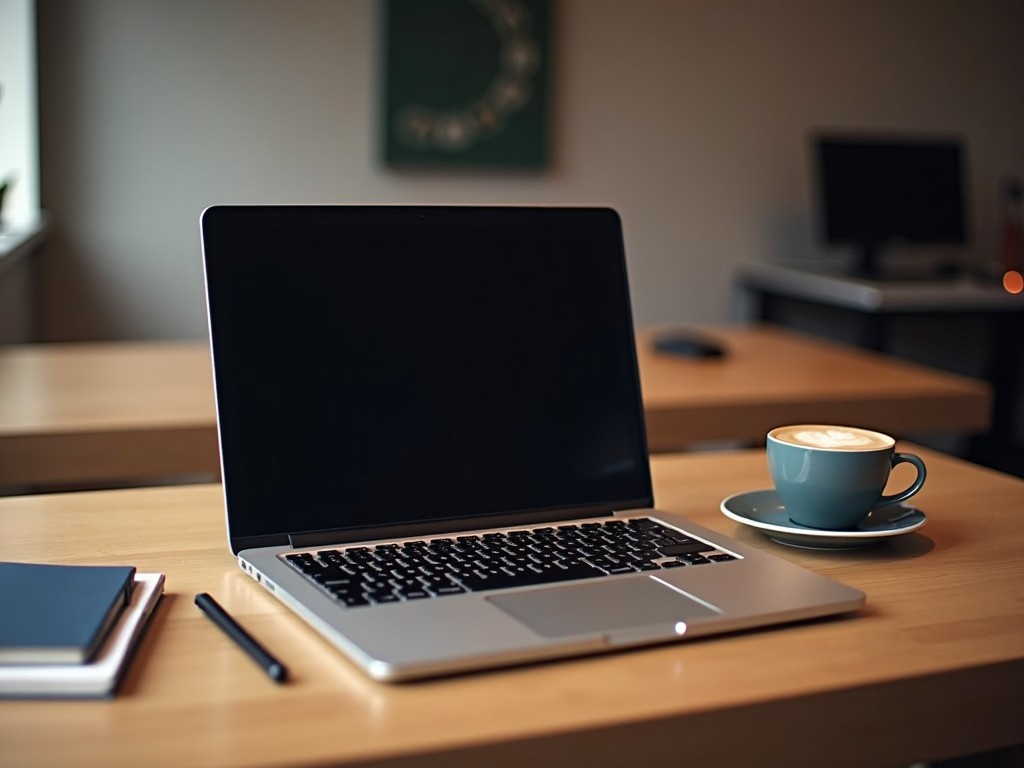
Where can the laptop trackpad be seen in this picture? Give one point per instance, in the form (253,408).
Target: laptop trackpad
(603,607)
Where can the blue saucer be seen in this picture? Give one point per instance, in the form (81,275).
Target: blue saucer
(764,511)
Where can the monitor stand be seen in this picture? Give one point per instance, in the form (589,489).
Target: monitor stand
(869,265)
(867,262)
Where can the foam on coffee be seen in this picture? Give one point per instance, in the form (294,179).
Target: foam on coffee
(833,438)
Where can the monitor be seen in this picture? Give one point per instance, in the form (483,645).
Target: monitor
(879,191)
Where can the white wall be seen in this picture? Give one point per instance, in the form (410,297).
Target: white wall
(689,116)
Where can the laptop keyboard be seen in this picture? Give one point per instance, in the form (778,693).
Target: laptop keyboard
(435,567)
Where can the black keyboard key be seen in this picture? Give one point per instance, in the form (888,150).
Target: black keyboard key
(330,573)
(305,563)
(437,585)
(342,583)
(352,600)
(451,589)
(407,584)
(406,587)
(674,550)
(356,568)
(624,568)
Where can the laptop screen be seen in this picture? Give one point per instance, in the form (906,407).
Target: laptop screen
(389,365)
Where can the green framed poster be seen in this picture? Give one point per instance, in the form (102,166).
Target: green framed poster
(466,82)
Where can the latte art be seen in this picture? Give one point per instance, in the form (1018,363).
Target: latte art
(832,438)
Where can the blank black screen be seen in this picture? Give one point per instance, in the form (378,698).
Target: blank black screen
(379,365)
(881,190)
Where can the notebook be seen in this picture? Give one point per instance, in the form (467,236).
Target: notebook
(101,675)
(405,393)
(58,614)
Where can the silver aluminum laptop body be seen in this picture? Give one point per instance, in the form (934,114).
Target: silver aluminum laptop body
(402,374)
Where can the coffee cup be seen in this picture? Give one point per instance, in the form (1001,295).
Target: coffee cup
(832,477)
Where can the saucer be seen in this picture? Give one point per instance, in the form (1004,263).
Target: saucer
(764,511)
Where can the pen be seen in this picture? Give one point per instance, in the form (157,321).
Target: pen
(277,671)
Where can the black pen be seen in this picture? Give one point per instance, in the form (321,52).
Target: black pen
(277,671)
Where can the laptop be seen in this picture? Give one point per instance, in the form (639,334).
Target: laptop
(432,441)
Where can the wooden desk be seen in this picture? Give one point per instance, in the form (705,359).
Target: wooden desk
(932,667)
(129,412)
(773,376)
(106,412)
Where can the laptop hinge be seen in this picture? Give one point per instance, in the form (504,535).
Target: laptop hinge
(306,539)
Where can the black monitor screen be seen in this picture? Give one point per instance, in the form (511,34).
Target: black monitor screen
(875,191)
(386,365)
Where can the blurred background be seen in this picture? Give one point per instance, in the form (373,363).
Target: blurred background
(691,117)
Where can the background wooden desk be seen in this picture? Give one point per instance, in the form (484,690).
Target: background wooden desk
(131,412)
(106,412)
(932,667)
(773,376)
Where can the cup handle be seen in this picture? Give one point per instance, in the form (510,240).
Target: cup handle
(900,458)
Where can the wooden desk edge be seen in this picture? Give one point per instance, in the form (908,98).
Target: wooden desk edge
(110,455)
(751,734)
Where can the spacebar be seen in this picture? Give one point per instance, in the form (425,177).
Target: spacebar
(530,578)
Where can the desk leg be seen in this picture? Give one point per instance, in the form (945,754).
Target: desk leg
(875,331)
(1000,448)
(763,306)
(1004,373)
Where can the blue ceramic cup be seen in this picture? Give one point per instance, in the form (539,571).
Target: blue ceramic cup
(832,477)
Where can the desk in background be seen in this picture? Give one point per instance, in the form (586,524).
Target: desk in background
(932,667)
(110,412)
(876,306)
(131,412)
(772,376)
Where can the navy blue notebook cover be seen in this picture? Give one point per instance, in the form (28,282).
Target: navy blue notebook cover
(58,614)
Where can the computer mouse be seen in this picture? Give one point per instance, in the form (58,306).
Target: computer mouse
(689,345)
